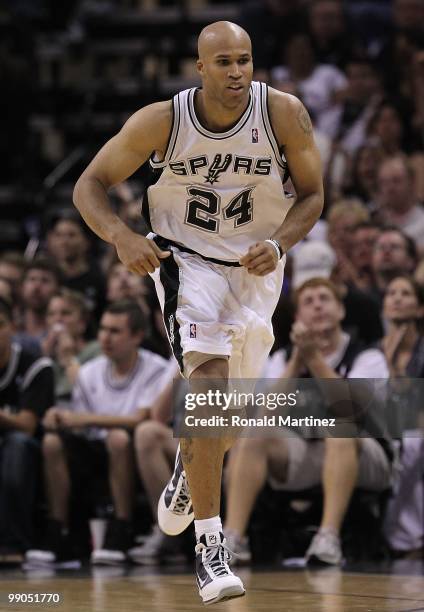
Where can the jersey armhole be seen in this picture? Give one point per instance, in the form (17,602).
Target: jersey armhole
(269,129)
(173,134)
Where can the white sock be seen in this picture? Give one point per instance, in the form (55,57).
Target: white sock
(207,526)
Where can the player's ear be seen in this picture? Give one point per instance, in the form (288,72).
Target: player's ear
(199,66)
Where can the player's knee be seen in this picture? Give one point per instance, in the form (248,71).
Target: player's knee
(214,368)
(118,441)
(52,446)
(149,436)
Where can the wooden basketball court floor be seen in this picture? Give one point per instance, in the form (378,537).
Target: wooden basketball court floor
(142,590)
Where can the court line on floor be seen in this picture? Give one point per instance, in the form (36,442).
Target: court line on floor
(393,597)
(281,590)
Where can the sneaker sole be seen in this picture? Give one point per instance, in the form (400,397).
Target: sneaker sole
(230,592)
(170,523)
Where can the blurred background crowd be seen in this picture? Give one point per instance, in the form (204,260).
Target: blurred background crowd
(80,335)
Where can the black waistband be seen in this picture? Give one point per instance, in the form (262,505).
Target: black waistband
(165,243)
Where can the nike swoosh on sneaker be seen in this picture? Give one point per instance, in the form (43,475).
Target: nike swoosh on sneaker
(203,582)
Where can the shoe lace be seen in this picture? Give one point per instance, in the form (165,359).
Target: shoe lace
(216,557)
(183,499)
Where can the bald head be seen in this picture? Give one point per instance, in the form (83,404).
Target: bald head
(222,35)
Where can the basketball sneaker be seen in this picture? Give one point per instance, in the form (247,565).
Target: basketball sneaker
(325,549)
(175,510)
(215,580)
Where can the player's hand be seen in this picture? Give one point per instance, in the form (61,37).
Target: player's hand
(138,254)
(260,259)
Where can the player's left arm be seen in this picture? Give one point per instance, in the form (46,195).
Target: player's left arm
(293,129)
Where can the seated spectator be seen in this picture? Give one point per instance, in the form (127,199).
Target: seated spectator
(406,37)
(113,393)
(65,341)
(330,32)
(391,131)
(397,201)
(394,254)
(403,347)
(363,184)
(155,452)
(364,238)
(41,280)
(123,284)
(359,100)
(317,85)
(26,392)
(362,314)
(320,349)
(403,343)
(342,219)
(12,268)
(69,243)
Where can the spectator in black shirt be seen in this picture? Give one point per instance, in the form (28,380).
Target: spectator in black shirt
(41,281)
(26,392)
(68,242)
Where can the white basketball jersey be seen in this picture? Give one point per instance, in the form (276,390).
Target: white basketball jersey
(219,193)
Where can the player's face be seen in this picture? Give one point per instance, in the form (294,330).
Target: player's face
(400,301)
(318,309)
(227,74)
(116,339)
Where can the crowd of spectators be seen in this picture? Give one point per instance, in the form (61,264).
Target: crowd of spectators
(85,370)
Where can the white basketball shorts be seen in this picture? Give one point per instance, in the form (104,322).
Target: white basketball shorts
(211,310)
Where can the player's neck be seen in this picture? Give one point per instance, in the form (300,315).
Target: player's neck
(214,116)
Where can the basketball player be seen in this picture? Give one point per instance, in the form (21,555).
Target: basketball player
(222,225)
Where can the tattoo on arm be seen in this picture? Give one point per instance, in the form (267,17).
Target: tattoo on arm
(186,451)
(304,120)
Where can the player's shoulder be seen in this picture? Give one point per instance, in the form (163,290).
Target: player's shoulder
(287,113)
(157,115)
(281,101)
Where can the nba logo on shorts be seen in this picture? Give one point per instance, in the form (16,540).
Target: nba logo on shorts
(193,330)
(255,135)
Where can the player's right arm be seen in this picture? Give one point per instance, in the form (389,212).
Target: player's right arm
(145,132)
